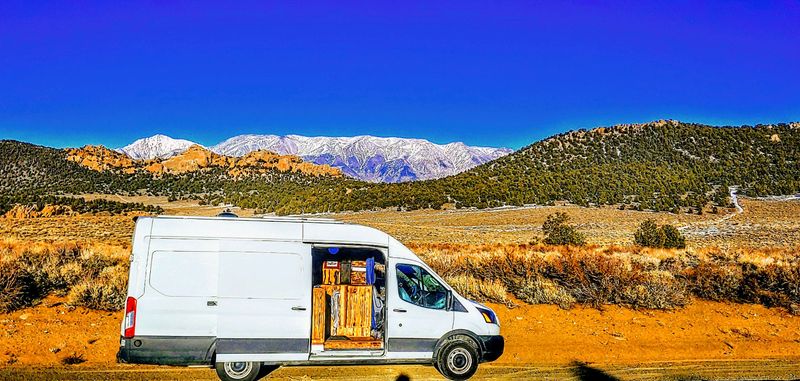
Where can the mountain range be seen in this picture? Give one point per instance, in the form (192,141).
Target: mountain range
(367,158)
(660,166)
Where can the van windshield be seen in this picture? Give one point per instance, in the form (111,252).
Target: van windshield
(417,286)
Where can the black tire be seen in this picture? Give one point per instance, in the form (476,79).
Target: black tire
(238,371)
(457,360)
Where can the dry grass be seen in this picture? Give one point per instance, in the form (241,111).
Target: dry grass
(763,224)
(93,275)
(479,289)
(751,257)
(631,276)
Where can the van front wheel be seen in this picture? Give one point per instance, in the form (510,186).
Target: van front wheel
(457,361)
(238,371)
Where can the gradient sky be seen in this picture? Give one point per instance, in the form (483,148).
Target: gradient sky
(499,73)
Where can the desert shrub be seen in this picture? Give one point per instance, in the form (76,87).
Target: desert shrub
(665,236)
(771,285)
(17,288)
(635,277)
(660,290)
(106,292)
(714,281)
(539,290)
(558,232)
(673,237)
(480,290)
(31,271)
(71,273)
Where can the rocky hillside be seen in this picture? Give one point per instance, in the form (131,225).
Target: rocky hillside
(196,158)
(32,177)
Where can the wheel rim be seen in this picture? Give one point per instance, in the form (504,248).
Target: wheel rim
(459,361)
(238,370)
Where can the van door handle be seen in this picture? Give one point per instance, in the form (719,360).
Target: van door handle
(399,310)
(211,303)
(298,308)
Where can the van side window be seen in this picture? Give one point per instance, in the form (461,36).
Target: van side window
(418,286)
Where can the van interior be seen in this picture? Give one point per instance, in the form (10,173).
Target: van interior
(348,299)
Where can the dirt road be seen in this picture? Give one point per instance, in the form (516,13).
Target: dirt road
(686,370)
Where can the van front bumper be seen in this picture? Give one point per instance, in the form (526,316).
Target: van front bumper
(492,347)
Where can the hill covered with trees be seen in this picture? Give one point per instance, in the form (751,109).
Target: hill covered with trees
(662,166)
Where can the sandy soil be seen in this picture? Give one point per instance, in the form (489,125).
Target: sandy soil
(540,335)
(687,370)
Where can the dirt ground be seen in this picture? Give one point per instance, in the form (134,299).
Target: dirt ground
(673,371)
(541,340)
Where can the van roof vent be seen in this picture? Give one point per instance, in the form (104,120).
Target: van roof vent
(227,213)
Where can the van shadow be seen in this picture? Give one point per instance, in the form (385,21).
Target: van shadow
(403,377)
(585,372)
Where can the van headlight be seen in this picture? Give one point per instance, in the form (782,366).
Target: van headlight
(488,315)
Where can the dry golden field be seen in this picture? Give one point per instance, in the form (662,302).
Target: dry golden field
(645,315)
(763,224)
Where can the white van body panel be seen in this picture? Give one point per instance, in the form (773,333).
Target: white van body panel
(264,301)
(398,251)
(182,276)
(347,234)
(139,252)
(228,228)
(473,321)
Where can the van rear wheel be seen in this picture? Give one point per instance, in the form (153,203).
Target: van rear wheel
(238,371)
(457,360)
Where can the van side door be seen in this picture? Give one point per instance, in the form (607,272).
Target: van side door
(416,310)
(264,302)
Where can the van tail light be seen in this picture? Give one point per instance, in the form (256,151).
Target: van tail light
(130,317)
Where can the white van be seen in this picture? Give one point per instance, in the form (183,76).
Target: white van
(247,295)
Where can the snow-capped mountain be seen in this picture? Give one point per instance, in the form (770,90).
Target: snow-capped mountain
(156,147)
(370,158)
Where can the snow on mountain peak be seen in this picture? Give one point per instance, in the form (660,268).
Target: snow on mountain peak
(364,157)
(156,147)
(368,157)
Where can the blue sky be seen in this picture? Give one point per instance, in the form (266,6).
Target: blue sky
(500,73)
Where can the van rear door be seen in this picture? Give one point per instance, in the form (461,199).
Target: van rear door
(174,322)
(264,301)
